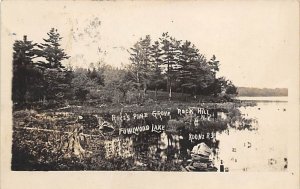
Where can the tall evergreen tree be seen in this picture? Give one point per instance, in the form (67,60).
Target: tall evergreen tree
(156,62)
(205,76)
(213,63)
(25,74)
(56,78)
(188,67)
(51,50)
(140,59)
(170,50)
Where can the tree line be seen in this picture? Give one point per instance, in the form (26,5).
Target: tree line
(166,64)
(175,65)
(250,91)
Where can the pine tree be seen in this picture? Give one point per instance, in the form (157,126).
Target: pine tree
(214,65)
(156,61)
(188,67)
(170,50)
(56,78)
(51,50)
(23,53)
(231,89)
(204,75)
(140,59)
(26,75)
(146,66)
(214,85)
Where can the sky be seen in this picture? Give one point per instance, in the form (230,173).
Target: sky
(256,42)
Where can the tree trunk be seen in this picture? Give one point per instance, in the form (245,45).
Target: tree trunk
(44,99)
(168,77)
(155,92)
(170,93)
(139,86)
(145,89)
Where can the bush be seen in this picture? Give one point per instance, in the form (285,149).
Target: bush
(132,96)
(95,94)
(81,93)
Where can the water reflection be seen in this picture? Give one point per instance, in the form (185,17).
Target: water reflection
(251,138)
(185,134)
(262,149)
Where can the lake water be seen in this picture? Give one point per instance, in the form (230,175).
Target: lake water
(264,98)
(264,149)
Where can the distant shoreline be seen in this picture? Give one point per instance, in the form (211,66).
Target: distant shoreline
(262,98)
(262,92)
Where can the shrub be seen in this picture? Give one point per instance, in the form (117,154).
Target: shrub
(81,93)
